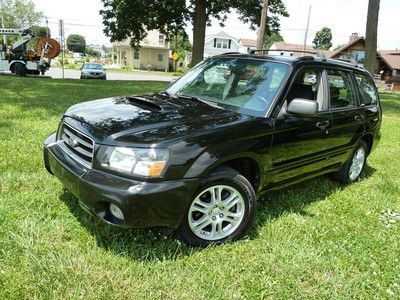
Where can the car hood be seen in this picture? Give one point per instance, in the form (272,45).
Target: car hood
(148,120)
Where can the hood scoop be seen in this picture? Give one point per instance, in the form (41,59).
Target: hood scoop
(146,104)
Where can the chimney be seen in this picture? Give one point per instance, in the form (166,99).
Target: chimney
(354,36)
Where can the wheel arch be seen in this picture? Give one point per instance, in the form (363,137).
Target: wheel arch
(368,138)
(246,165)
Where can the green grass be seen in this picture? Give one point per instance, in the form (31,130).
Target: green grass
(313,240)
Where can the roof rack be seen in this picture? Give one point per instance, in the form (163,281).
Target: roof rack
(316,53)
(351,61)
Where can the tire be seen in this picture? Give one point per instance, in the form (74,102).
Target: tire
(352,170)
(20,69)
(207,222)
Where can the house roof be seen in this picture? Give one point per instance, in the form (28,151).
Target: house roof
(297,47)
(349,44)
(391,58)
(220,34)
(248,42)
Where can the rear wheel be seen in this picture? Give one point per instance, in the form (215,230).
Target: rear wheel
(353,168)
(222,210)
(19,69)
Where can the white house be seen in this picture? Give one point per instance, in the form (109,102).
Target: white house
(222,42)
(153,53)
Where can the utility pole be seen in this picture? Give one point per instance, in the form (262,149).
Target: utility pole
(306,34)
(47,27)
(263,24)
(61,28)
(2,21)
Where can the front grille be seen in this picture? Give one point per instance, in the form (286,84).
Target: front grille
(76,144)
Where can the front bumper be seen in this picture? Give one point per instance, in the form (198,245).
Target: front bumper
(93,76)
(144,204)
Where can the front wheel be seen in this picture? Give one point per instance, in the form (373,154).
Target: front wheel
(222,209)
(353,168)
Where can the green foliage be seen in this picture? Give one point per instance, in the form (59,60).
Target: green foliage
(76,43)
(20,14)
(125,19)
(91,52)
(315,240)
(272,38)
(41,31)
(323,39)
(180,44)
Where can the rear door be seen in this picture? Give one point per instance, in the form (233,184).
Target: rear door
(347,114)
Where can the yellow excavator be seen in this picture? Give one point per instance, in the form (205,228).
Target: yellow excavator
(22,61)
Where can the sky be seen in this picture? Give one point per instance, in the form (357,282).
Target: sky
(343,16)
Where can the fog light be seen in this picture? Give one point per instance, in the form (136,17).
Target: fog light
(116,211)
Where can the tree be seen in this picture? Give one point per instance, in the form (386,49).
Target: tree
(323,39)
(76,43)
(40,31)
(272,38)
(371,39)
(20,14)
(92,53)
(132,19)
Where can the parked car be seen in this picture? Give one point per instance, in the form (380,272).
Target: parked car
(196,157)
(93,71)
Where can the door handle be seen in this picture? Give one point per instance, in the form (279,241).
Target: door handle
(359,117)
(323,124)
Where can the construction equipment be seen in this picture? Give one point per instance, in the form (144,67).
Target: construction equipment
(22,61)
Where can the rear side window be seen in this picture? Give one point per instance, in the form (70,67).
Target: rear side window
(367,89)
(341,90)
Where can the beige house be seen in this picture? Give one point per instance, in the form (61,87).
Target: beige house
(153,53)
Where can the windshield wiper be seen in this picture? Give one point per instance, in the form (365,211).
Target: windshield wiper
(165,93)
(195,98)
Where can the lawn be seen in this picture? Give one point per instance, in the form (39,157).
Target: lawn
(313,240)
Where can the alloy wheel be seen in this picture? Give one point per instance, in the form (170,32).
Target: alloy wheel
(216,212)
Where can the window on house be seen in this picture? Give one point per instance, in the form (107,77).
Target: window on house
(136,55)
(160,57)
(222,43)
(161,39)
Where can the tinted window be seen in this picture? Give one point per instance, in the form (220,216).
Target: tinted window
(341,91)
(367,89)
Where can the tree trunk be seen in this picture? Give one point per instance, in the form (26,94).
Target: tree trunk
(199,31)
(372,35)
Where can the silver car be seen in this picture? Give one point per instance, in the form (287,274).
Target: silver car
(93,71)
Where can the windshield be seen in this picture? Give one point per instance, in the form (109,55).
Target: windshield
(92,67)
(247,86)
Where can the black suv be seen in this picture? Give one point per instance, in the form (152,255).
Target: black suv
(195,156)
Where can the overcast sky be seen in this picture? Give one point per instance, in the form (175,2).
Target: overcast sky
(342,16)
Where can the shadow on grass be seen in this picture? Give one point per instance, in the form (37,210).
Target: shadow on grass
(155,245)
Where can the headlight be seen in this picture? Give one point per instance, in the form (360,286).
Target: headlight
(143,162)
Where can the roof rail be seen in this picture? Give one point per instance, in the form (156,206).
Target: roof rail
(230,53)
(351,61)
(316,53)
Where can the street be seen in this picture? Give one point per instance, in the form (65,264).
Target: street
(75,74)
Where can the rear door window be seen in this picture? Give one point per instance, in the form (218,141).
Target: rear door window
(369,95)
(341,91)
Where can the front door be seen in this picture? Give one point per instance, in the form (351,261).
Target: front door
(300,143)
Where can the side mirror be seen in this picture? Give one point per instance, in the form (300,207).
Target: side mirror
(173,81)
(303,107)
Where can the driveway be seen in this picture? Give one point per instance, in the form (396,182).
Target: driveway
(143,76)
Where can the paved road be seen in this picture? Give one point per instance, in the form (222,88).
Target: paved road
(75,74)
